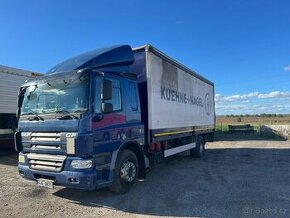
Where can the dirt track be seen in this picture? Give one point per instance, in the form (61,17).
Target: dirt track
(235,179)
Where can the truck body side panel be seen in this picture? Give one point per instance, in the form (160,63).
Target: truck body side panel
(177,99)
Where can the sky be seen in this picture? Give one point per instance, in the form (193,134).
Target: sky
(243,46)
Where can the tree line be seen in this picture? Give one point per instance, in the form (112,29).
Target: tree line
(256,115)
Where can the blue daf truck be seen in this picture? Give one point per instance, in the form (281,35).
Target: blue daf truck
(100,119)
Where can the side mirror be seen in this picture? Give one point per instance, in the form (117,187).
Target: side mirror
(107,107)
(106,90)
(20,101)
(18,111)
(20,97)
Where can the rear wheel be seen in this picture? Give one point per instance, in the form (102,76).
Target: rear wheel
(198,151)
(210,137)
(126,172)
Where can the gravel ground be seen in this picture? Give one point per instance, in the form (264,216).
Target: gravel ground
(234,179)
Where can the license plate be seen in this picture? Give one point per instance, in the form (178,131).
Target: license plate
(45,183)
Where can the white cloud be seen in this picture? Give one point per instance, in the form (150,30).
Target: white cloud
(246,97)
(275,94)
(231,107)
(253,94)
(253,103)
(287,68)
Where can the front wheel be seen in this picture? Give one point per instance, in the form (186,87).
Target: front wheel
(126,172)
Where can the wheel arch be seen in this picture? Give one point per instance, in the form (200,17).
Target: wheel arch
(138,151)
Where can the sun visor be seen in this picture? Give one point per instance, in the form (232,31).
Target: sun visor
(121,55)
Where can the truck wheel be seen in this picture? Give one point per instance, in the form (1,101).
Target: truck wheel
(126,172)
(210,137)
(198,151)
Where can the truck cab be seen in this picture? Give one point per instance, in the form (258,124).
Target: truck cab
(81,121)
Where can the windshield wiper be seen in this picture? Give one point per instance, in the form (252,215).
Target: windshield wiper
(66,114)
(34,113)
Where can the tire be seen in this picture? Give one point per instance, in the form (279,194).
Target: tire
(210,137)
(198,151)
(126,172)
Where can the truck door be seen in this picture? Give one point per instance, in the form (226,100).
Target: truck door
(133,110)
(116,114)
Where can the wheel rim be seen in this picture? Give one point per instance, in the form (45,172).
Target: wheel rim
(128,171)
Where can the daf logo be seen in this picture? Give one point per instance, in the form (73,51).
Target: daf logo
(71,134)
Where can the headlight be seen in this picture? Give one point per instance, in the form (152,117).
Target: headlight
(81,164)
(21,158)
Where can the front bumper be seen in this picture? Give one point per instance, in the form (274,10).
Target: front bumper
(64,178)
(88,179)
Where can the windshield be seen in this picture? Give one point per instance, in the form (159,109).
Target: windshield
(49,97)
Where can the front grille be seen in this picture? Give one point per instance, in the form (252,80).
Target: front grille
(45,136)
(58,147)
(44,141)
(46,162)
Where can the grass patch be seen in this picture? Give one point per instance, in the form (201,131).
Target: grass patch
(222,133)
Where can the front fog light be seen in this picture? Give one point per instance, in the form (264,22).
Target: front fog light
(81,164)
